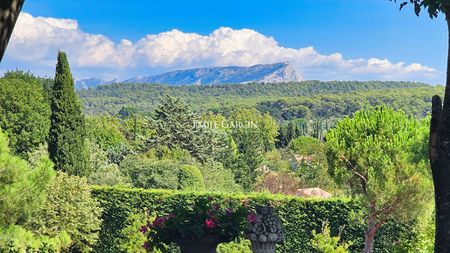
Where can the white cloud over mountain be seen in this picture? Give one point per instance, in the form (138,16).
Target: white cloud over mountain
(36,39)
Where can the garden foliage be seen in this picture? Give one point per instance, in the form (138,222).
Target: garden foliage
(300,216)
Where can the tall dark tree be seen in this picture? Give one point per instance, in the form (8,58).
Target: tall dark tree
(439,144)
(67,135)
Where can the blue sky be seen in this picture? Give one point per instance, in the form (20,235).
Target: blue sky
(339,37)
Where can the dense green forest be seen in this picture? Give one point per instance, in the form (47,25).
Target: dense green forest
(283,101)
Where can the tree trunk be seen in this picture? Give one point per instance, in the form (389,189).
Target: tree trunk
(439,154)
(372,227)
(368,244)
(9,12)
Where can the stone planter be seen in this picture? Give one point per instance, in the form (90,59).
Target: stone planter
(203,245)
(263,247)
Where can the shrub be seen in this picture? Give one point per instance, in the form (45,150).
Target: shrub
(151,173)
(300,216)
(103,171)
(219,179)
(162,174)
(19,240)
(132,239)
(324,242)
(22,188)
(242,246)
(190,178)
(69,207)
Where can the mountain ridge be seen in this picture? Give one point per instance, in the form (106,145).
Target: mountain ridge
(260,73)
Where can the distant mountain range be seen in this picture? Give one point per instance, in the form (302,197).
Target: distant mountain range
(261,73)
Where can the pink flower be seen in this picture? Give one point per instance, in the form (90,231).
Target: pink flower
(159,221)
(146,245)
(251,218)
(210,224)
(143,229)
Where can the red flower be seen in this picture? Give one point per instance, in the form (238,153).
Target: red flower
(251,218)
(210,224)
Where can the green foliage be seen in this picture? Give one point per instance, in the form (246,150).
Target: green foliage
(278,160)
(219,179)
(103,171)
(18,240)
(295,112)
(66,145)
(373,156)
(132,239)
(291,130)
(300,216)
(105,130)
(433,7)
(255,136)
(423,242)
(108,175)
(70,208)
(226,98)
(162,173)
(138,129)
(24,112)
(191,178)
(308,146)
(176,127)
(241,246)
(151,173)
(370,154)
(311,162)
(324,242)
(22,188)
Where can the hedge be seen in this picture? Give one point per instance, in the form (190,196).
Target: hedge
(300,216)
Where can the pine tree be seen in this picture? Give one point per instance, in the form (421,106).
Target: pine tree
(67,135)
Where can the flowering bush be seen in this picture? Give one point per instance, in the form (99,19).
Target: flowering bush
(204,218)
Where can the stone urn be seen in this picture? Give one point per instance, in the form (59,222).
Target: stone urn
(264,230)
(263,247)
(202,245)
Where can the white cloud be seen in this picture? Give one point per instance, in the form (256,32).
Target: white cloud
(36,39)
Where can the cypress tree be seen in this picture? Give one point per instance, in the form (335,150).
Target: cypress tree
(67,135)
